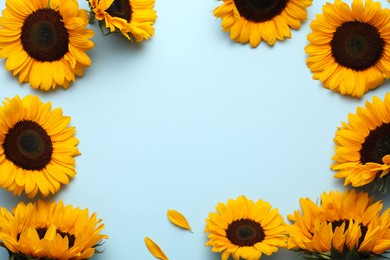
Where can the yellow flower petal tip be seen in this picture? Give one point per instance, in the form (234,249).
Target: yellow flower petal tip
(154,249)
(178,219)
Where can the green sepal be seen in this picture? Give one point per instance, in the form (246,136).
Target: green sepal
(97,251)
(380,184)
(106,31)
(383,186)
(91,17)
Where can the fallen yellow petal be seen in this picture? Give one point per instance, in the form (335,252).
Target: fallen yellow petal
(178,219)
(154,249)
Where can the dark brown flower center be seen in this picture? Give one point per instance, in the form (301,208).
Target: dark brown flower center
(28,145)
(376,145)
(44,36)
(363,229)
(260,10)
(338,223)
(245,232)
(357,45)
(71,238)
(42,232)
(120,8)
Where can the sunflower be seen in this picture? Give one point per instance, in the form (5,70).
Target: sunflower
(269,20)
(36,147)
(133,18)
(44,230)
(344,226)
(362,151)
(246,229)
(44,41)
(349,49)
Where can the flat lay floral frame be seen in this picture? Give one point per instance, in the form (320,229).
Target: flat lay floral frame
(189,119)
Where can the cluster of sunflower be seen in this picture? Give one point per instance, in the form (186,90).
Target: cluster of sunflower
(349,51)
(348,47)
(45,42)
(37,149)
(344,226)
(347,225)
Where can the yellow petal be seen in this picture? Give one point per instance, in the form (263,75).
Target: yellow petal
(154,249)
(178,219)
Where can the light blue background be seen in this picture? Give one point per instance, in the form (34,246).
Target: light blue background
(189,119)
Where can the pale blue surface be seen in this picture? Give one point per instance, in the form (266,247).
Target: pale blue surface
(189,119)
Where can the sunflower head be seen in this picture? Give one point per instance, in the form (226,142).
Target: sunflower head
(246,229)
(40,231)
(362,151)
(268,20)
(44,41)
(133,18)
(348,49)
(36,147)
(345,225)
